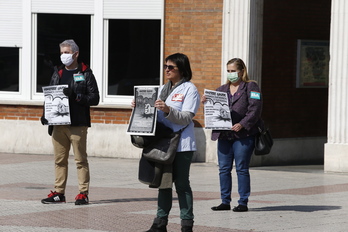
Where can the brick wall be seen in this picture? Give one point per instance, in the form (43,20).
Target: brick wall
(194,28)
(110,116)
(291,111)
(34,113)
(16,112)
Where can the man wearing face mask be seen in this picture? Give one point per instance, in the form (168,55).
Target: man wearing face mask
(82,92)
(237,144)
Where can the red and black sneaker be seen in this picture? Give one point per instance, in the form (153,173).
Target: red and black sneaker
(81,199)
(54,198)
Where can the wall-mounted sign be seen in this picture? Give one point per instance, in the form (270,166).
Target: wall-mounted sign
(312,64)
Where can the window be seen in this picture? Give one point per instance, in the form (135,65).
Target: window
(52,29)
(133,55)
(9,69)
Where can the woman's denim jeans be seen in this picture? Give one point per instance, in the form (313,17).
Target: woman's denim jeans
(239,150)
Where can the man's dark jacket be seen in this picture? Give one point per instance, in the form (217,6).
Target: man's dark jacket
(85,94)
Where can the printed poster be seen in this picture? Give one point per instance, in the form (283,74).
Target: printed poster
(217,115)
(144,114)
(313,58)
(56,105)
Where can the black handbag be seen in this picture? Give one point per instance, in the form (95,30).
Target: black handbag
(263,142)
(142,141)
(163,150)
(160,148)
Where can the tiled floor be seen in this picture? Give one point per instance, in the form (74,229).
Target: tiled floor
(301,198)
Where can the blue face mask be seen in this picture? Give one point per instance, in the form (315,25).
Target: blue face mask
(233,77)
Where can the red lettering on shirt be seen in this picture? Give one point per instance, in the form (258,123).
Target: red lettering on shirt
(178,97)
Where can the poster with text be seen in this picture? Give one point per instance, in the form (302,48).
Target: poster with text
(56,105)
(313,59)
(144,115)
(217,115)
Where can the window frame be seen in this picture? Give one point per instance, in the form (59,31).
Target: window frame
(27,94)
(123,100)
(39,95)
(14,94)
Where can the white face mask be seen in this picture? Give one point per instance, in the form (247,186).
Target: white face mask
(233,77)
(66,59)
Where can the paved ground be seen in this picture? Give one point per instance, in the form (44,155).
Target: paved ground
(296,198)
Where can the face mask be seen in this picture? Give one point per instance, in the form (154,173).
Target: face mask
(66,59)
(233,77)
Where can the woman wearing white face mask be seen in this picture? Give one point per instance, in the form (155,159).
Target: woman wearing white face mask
(237,144)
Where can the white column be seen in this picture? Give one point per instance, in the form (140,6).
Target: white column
(242,35)
(97,43)
(26,85)
(336,148)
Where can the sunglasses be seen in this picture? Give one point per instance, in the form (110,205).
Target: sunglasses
(170,67)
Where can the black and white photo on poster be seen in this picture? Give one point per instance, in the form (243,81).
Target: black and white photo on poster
(56,105)
(144,114)
(217,115)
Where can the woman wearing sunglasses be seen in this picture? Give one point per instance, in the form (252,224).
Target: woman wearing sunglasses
(177,104)
(237,144)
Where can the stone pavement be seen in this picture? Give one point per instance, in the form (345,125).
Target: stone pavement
(288,198)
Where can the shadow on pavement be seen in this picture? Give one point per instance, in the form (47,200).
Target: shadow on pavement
(299,208)
(125,200)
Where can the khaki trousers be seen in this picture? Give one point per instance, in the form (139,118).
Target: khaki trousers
(62,138)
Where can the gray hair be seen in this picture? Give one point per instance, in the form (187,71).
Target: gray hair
(70,43)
